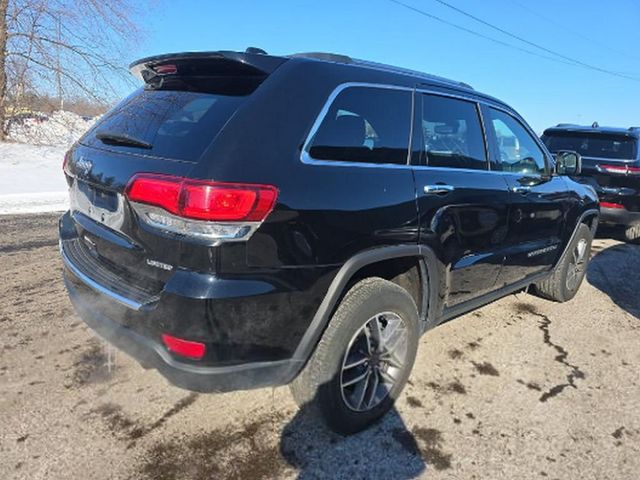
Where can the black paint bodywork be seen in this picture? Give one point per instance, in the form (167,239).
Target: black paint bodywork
(261,305)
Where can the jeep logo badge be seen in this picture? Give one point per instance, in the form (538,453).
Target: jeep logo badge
(83,165)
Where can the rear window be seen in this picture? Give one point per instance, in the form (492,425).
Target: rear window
(172,123)
(593,145)
(365,125)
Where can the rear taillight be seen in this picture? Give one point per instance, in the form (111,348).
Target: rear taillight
(619,169)
(207,210)
(611,205)
(184,348)
(65,162)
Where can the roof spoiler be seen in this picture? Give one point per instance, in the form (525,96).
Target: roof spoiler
(222,63)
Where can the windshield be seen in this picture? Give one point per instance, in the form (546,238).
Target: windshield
(164,123)
(593,145)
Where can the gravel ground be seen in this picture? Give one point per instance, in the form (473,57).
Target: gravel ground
(522,388)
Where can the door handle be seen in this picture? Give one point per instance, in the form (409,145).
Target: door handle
(438,189)
(522,189)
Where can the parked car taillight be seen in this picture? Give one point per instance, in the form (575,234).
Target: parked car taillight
(213,211)
(619,169)
(611,205)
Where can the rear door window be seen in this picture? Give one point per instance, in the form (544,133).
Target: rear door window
(452,133)
(173,124)
(365,125)
(593,145)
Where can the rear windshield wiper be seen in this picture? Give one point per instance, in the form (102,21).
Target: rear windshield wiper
(112,138)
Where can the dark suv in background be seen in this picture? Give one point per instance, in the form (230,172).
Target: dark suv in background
(610,164)
(245,220)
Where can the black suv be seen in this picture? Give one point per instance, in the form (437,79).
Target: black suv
(611,164)
(246,220)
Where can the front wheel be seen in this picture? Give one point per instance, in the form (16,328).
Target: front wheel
(564,282)
(364,358)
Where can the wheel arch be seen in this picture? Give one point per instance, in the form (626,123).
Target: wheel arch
(588,217)
(371,263)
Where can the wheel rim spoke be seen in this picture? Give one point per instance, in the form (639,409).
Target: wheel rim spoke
(393,360)
(387,378)
(355,363)
(367,335)
(391,347)
(356,379)
(376,333)
(361,389)
(373,389)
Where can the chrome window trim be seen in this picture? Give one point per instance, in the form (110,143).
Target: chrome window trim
(545,151)
(307,159)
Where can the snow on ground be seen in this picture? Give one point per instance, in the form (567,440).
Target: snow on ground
(31,179)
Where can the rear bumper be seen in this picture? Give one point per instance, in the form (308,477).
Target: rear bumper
(151,354)
(618,216)
(251,324)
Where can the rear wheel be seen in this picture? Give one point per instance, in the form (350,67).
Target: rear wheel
(566,279)
(632,233)
(364,358)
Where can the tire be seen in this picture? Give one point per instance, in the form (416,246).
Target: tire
(632,233)
(567,277)
(324,386)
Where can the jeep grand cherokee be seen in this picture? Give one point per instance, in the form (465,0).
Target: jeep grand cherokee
(244,220)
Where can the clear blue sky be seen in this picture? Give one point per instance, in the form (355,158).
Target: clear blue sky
(603,34)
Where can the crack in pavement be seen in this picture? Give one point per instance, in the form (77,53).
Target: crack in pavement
(575,372)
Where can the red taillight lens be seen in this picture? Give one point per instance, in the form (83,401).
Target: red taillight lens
(203,200)
(158,190)
(611,205)
(184,348)
(65,162)
(620,169)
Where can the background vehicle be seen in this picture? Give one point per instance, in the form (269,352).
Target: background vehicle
(247,220)
(611,165)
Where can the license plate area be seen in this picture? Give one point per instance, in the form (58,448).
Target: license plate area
(99,204)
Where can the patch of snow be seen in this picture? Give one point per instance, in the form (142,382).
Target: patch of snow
(31,179)
(18,203)
(60,129)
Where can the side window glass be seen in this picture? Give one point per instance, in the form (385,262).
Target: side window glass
(517,150)
(452,133)
(365,125)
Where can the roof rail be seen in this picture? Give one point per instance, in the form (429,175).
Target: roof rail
(408,71)
(326,56)
(566,125)
(633,129)
(338,58)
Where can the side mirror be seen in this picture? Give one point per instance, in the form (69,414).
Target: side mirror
(568,163)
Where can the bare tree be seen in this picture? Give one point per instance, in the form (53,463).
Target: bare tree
(72,48)
(4,5)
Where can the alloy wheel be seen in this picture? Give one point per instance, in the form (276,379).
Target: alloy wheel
(577,264)
(375,360)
